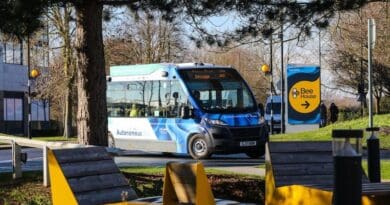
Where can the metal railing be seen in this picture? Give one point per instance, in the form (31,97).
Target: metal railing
(18,142)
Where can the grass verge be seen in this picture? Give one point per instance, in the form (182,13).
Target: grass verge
(161,170)
(27,190)
(48,138)
(385,169)
(56,139)
(325,133)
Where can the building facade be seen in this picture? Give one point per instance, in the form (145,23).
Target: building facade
(14,93)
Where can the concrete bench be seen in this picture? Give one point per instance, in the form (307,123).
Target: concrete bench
(302,173)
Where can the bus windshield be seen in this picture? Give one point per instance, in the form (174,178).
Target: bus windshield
(219,90)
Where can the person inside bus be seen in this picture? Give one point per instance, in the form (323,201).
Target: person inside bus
(196,94)
(175,107)
(134,111)
(121,111)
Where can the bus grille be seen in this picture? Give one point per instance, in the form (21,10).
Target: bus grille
(244,133)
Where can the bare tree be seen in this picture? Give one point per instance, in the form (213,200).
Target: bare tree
(60,18)
(143,38)
(349,54)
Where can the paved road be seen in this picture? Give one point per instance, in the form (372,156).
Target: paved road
(239,163)
(34,161)
(236,163)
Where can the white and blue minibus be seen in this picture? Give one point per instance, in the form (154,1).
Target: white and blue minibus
(190,108)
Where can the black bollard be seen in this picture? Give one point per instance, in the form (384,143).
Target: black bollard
(347,158)
(373,156)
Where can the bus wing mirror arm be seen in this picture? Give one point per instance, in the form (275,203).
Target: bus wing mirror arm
(185,112)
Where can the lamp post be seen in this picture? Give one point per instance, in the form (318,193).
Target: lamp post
(29,89)
(31,74)
(371,45)
(319,48)
(373,141)
(282,101)
(268,71)
(347,158)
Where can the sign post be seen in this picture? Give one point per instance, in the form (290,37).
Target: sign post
(304,97)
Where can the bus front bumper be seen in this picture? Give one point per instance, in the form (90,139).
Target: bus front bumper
(229,140)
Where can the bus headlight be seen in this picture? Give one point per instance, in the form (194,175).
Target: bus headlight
(214,122)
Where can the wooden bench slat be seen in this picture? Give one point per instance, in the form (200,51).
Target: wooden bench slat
(302,169)
(376,189)
(97,182)
(81,154)
(301,157)
(311,164)
(105,196)
(374,185)
(305,179)
(305,146)
(79,169)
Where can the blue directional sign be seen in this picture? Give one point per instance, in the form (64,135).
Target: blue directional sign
(304,94)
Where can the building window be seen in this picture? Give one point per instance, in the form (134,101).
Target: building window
(40,110)
(11,52)
(13,109)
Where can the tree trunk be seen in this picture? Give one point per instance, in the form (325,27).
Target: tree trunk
(91,77)
(378,104)
(68,114)
(69,75)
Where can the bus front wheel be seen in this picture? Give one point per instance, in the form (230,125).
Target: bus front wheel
(198,147)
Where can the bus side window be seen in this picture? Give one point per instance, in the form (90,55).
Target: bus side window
(177,99)
(134,111)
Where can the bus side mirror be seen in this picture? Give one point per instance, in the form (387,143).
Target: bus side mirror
(261,109)
(185,112)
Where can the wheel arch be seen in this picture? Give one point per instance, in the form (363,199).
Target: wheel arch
(203,132)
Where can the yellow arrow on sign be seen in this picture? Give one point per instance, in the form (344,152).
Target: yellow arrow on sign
(304,96)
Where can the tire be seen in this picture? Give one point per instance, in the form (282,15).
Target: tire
(256,154)
(198,147)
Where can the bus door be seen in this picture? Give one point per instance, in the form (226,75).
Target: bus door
(168,99)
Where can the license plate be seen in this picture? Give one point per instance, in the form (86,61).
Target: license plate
(247,143)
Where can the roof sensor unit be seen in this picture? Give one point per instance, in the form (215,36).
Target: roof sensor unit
(199,64)
(164,74)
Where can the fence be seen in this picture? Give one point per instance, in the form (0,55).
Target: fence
(18,142)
